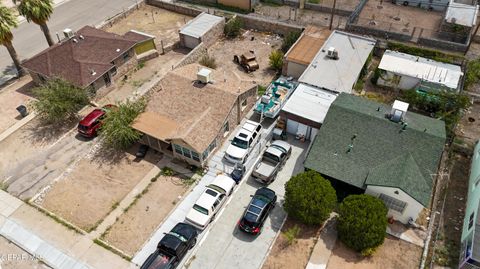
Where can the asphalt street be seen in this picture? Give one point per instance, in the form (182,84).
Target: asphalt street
(74,14)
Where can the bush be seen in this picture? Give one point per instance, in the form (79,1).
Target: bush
(276,60)
(233,27)
(208,61)
(473,73)
(376,76)
(427,53)
(116,130)
(309,198)
(289,40)
(58,101)
(291,235)
(362,223)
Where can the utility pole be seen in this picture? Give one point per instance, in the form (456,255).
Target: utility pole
(333,13)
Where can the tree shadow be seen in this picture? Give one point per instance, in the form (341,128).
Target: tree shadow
(42,132)
(27,89)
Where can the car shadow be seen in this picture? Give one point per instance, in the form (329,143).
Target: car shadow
(80,137)
(240,235)
(277,216)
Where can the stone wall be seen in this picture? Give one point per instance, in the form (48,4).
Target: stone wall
(192,56)
(185,10)
(441,44)
(268,25)
(325,9)
(377,32)
(211,37)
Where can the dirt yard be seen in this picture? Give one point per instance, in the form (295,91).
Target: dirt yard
(391,17)
(262,44)
(13,257)
(469,126)
(95,186)
(11,97)
(284,256)
(136,225)
(161,23)
(393,254)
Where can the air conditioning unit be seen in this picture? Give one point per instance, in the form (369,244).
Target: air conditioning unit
(332,53)
(204,75)
(68,33)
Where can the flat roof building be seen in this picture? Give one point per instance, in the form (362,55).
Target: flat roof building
(461,14)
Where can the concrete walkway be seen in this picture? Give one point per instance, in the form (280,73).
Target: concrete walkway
(53,243)
(324,246)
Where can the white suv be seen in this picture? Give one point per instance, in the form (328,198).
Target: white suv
(244,142)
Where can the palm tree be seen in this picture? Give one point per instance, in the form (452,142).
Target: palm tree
(39,12)
(7,22)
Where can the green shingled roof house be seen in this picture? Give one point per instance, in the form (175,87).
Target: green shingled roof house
(470,246)
(383,150)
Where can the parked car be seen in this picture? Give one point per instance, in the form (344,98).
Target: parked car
(209,203)
(238,172)
(244,142)
(272,161)
(257,211)
(247,60)
(142,151)
(172,248)
(90,124)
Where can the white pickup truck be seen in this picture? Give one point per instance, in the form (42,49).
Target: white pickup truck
(272,160)
(244,142)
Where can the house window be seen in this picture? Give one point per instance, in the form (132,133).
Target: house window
(186,153)
(477,182)
(244,104)
(195,156)
(226,129)
(470,221)
(392,203)
(113,71)
(126,56)
(205,154)
(178,149)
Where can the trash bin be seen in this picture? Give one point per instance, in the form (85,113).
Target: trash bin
(22,110)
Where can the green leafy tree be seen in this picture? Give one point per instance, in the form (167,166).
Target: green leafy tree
(362,223)
(58,100)
(7,22)
(38,11)
(309,198)
(116,130)
(233,27)
(289,40)
(276,60)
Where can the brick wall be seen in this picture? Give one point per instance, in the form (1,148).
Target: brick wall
(441,44)
(268,25)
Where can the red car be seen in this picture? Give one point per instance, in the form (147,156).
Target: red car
(89,125)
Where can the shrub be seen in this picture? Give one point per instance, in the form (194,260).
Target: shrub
(427,53)
(58,101)
(473,73)
(233,27)
(291,235)
(309,198)
(261,90)
(208,61)
(362,223)
(376,76)
(116,130)
(276,60)
(289,40)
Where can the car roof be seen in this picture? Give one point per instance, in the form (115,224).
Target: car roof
(226,183)
(184,229)
(206,200)
(266,192)
(92,117)
(255,208)
(282,144)
(275,151)
(250,125)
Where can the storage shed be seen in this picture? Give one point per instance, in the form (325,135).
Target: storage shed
(203,28)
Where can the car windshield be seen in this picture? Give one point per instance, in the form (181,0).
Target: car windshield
(240,143)
(211,192)
(82,127)
(180,237)
(279,148)
(267,156)
(200,209)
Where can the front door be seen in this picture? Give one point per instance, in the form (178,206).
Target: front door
(107,79)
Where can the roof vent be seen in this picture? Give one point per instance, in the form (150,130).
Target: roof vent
(204,75)
(117,50)
(74,40)
(332,53)
(68,33)
(92,72)
(81,37)
(399,109)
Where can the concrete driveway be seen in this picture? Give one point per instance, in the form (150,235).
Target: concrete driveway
(223,245)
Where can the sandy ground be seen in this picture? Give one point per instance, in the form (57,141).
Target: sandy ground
(393,254)
(398,18)
(161,23)
(93,188)
(135,226)
(12,96)
(303,17)
(296,255)
(469,126)
(13,257)
(224,50)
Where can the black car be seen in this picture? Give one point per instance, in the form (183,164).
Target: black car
(257,211)
(172,248)
(142,151)
(238,172)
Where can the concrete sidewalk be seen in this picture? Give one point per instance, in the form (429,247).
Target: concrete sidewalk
(53,243)
(325,244)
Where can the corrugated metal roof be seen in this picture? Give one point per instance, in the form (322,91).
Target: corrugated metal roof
(461,14)
(339,75)
(310,103)
(200,25)
(423,68)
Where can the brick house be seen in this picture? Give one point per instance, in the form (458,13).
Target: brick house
(89,59)
(189,119)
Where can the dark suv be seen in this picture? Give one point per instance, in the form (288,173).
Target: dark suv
(257,211)
(172,248)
